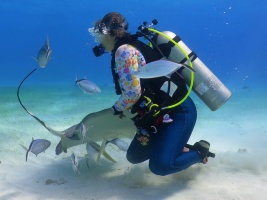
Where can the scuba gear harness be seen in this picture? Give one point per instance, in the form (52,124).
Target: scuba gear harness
(170,46)
(149,106)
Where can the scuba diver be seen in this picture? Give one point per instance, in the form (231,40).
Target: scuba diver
(162,134)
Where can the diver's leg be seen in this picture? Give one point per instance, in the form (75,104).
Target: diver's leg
(167,155)
(141,147)
(136,152)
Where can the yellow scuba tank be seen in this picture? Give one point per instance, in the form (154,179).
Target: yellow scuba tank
(206,85)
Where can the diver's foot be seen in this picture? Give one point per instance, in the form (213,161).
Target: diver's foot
(202,147)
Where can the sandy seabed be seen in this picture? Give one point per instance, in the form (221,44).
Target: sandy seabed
(237,133)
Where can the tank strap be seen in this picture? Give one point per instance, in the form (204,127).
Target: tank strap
(192,54)
(176,39)
(167,47)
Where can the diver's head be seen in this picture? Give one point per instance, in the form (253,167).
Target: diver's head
(114,24)
(108,30)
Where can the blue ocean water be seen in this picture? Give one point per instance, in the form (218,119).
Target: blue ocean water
(228,36)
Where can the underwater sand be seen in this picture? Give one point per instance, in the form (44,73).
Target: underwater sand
(237,133)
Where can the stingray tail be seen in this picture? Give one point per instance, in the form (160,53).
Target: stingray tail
(27,154)
(56,133)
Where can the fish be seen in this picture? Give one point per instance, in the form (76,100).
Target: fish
(87,86)
(44,54)
(37,146)
(91,153)
(159,68)
(75,163)
(96,151)
(101,150)
(83,131)
(119,143)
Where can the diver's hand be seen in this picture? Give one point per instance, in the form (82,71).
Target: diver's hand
(115,111)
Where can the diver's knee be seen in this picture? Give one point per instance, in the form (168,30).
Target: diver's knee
(159,169)
(132,159)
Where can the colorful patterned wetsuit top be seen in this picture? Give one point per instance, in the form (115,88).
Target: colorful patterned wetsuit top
(128,59)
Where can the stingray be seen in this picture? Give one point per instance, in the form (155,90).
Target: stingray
(100,126)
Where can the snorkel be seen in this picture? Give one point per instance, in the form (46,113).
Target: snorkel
(99,50)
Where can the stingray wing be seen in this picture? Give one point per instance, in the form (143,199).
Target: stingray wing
(102,125)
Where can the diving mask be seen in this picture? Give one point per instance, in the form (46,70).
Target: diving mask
(100,28)
(96,32)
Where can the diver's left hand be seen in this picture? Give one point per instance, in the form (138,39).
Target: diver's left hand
(116,112)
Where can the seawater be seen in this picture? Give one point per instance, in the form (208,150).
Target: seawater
(228,36)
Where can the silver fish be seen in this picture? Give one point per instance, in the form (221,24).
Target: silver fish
(91,153)
(75,163)
(97,150)
(88,86)
(44,54)
(83,131)
(37,146)
(101,150)
(119,143)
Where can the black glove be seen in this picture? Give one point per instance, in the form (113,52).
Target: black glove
(116,112)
